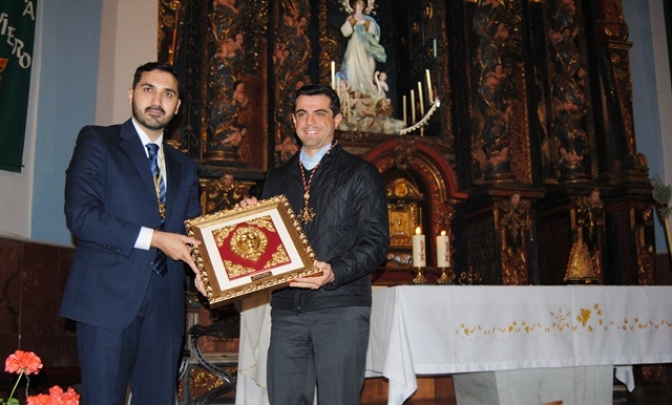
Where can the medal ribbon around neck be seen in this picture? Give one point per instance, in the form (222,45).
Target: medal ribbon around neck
(307,214)
(157,188)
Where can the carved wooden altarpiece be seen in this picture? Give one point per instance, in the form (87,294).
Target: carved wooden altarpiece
(535,113)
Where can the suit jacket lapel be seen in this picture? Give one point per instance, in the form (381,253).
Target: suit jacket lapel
(173,171)
(131,144)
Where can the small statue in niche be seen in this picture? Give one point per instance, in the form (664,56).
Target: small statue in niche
(590,216)
(515,219)
(224,193)
(514,222)
(589,226)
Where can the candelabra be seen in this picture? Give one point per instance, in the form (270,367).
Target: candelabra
(421,124)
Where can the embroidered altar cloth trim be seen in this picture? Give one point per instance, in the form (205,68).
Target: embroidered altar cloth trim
(418,330)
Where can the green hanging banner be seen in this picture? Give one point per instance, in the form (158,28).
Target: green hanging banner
(17,35)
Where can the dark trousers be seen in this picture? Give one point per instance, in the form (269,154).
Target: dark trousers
(324,349)
(144,355)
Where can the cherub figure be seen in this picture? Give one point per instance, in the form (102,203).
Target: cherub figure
(224,193)
(230,47)
(381,83)
(230,4)
(280,54)
(239,96)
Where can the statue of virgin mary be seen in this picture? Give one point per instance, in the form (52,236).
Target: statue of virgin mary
(363,49)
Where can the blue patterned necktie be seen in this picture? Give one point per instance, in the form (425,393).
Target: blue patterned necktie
(160,265)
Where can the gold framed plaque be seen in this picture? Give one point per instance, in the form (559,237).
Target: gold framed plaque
(249,249)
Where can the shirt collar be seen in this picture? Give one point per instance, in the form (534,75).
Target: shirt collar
(310,162)
(143,136)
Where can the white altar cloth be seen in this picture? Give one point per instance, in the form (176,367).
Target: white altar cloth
(430,330)
(255,338)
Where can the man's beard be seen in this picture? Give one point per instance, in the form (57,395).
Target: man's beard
(150,122)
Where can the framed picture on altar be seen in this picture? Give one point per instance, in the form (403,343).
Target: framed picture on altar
(249,249)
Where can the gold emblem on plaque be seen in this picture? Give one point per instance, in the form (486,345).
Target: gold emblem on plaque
(237,270)
(279,257)
(248,242)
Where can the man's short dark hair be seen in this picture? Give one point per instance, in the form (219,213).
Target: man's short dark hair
(316,90)
(148,67)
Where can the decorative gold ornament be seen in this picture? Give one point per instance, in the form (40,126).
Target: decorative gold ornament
(157,189)
(306,214)
(222,233)
(236,270)
(279,257)
(581,268)
(248,242)
(162,209)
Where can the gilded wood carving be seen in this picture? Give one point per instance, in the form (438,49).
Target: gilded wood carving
(512,220)
(291,54)
(236,83)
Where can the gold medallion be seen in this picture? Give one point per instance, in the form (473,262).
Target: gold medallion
(306,214)
(248,242)
(162,210)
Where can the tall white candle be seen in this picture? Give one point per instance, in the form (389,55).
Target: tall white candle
(430,99)
(422,106)
(404,110)
(412,107)
(333,74)
(419,258)
(443,250)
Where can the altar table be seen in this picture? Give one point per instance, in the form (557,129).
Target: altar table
(432,330)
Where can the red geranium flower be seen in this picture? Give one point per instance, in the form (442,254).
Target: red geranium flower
(41,399)
(56,397)
(23,362)
(28,363)
(70,397)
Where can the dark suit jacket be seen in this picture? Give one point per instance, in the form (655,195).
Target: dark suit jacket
(109,196)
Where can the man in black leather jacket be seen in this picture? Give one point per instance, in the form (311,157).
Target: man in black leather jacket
(320,325)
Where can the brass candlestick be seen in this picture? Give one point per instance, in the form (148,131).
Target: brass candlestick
(447,277)
(419,277)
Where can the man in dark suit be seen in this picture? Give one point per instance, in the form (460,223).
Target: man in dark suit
(127,195)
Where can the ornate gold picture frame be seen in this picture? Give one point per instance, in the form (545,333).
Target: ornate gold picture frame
(403,221)
(249,249)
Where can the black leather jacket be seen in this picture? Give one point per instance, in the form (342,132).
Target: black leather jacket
(350,230)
